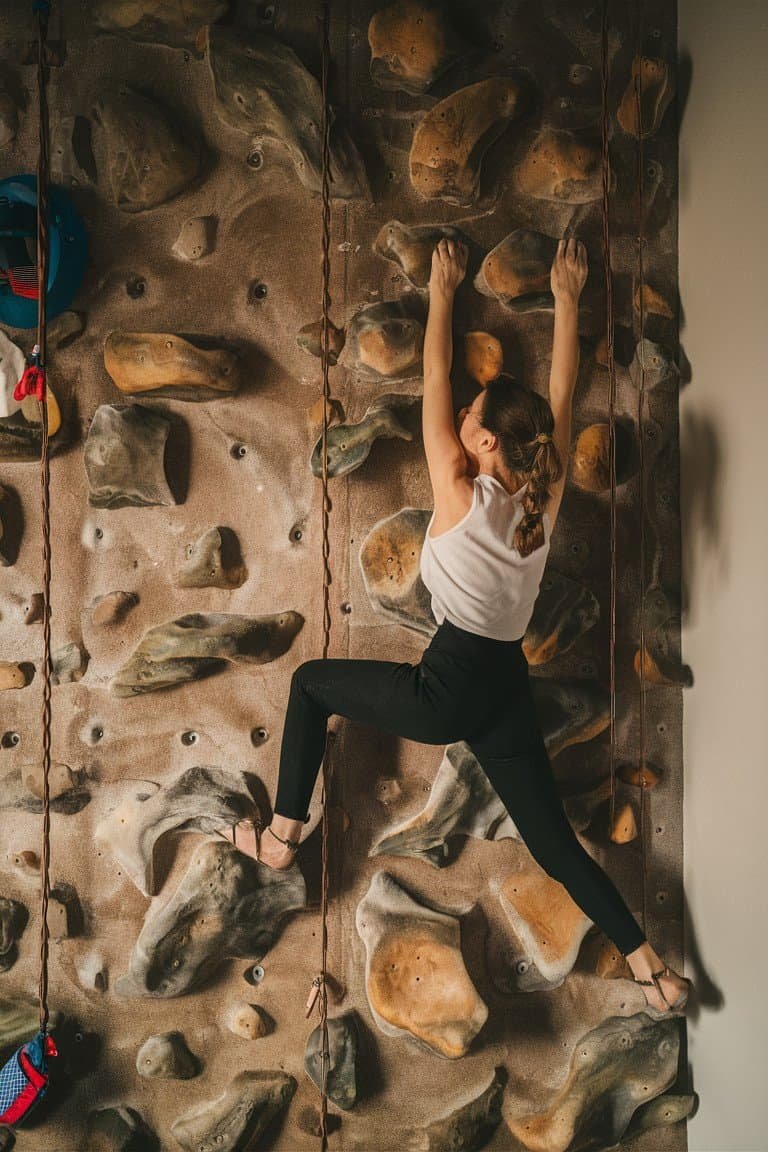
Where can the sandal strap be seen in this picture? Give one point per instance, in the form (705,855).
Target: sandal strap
(292,844)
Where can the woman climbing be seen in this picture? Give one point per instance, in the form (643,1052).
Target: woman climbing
(498,477)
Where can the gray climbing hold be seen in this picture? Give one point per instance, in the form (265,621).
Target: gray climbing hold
(166,1056)
(123,456)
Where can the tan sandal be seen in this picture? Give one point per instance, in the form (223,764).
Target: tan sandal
(258,825)
(680,1003)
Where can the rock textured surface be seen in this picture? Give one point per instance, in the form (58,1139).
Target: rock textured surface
(184,404)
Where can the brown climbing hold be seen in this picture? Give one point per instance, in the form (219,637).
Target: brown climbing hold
(548,923)
(141,362)
(243,1112)
(334,414)
(149,160)
(653,79)
(196,239)
(624,828)
(411,45)
(384,340)
(564,610)
(310,339)
(172,22)
(518,271)
(112,608)
(248,1021)
(483,356)
(411,247)
(11,676)
(389,559)
(450,142)
(647,776)
(653,302)
(562,166)
(658,668)
(590,467)
(213,561)
(415,978)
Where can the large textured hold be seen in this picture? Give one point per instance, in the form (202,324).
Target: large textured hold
(452,139)
(235,1120)
(518,272)
(199,644)
(384,340)
(410,246)
(564,610)
(166,1057)
(124,457)
(463,802)
(389,560)
(468,1126)
(201,799)
(590,467)
(483,356)
(171,22)
(19,1019)
(167,363)
(415,979)
(651,365)
(341,1075)
(348,445)
(654,80)
(262,88)
(148,158)
(561,166)
(546,921)
(615,1068)
(570,710)
(13,921)
(411,44)
(213,561)
(120,1128)
(227,905)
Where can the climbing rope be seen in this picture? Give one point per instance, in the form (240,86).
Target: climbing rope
(606,173)
(33,383)
(638,85)
(319,985)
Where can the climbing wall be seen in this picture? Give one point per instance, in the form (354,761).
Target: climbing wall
(470,1002)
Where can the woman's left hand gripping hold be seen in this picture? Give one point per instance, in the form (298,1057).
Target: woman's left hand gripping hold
(449,266)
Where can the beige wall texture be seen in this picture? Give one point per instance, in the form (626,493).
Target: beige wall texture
(486,1006)
(723,413)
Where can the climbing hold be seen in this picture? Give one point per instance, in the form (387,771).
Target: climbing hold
(412,44)
(349,445)
(165,1056)
(112,608)
(124,457)
(249,1021)
(244,1111)
(518,272)
(389,559)
(172,365)
(196,239)
(341,1060)
(411,247)
(483,356)
(310,339)
(385,341)
(562,166)
(214,561)
(655,78)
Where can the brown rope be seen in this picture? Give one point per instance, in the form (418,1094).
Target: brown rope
(606,166)
(42,276)
(640,402)
(326,507)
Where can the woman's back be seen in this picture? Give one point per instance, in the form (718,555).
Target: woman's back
(478,579)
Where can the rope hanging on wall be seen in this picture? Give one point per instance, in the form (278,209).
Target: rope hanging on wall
(24,1078)
(318,992)
(606,184)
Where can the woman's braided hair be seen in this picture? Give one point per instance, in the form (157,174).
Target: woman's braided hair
(524,424)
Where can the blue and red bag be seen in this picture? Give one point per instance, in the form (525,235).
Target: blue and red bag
(24,1078)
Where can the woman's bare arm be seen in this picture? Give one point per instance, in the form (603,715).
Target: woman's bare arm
(569,272)
(446,458)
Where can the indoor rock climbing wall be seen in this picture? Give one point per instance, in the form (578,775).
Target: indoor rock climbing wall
(471,1002)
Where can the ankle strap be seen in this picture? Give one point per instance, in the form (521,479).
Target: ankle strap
(292,844)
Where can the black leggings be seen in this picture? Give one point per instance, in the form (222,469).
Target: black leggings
(466,687)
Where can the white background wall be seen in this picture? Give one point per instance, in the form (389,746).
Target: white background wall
(724,420)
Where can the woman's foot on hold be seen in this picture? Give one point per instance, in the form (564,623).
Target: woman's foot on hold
(262,844)
(644,964)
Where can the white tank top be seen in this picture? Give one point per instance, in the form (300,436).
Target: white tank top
(478,580)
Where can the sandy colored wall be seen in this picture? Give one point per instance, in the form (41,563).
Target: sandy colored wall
(723,411)
(510,986)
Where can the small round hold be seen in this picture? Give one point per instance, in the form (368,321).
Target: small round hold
(189,738)
(10,739)
(259,735)
(136,287)
(254,974)
(255,158)
(237,451)
(346,607)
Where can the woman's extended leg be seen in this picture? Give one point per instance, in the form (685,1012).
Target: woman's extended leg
(518,766)
(402,698)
